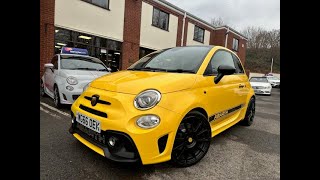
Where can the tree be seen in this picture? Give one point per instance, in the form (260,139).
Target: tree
(217,22)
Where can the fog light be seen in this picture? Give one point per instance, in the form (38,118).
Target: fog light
(148,121)
(112,141)
(70,88)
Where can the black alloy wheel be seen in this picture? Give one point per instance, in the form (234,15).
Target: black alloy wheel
(192,140)
(251,110)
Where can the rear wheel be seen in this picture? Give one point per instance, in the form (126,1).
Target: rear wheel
(192,140)
(56,98)
(248,120)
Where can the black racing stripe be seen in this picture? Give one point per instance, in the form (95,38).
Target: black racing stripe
(211,118)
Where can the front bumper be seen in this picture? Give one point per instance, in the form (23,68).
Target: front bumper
(148,145)
(262,91)
(67,96)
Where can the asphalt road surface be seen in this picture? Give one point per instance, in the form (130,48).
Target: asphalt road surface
(237,153)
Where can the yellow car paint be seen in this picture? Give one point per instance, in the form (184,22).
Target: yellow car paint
(181,93)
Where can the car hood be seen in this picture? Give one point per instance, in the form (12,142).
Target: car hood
(83,74)
(133,82)
(259,84)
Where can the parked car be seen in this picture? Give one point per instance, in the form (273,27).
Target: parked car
(67,74)
(261,85)
(166,106)
(274,81)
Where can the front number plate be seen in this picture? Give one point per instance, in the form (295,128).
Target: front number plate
(88,122)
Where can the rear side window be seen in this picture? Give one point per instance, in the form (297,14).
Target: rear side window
(219,58)
(237,63)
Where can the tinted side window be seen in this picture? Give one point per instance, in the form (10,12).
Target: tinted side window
(237,63)
(54,61)
(218,59)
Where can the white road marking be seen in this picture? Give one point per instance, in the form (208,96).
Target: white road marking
(54,109)
(48,112)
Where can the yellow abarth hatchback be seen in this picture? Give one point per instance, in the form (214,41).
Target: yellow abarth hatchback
(166,106)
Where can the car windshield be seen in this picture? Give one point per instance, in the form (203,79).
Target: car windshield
(273,78)
(258,79)
(178,59)
(82,63)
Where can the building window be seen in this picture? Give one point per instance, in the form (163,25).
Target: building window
(198,34)
(100,3)
(160,19)
(235,44)
(107,50)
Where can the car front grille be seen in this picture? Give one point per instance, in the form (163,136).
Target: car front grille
(93,111)
(259,87)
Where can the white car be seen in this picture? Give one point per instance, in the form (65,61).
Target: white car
(261,85)
(274,81)
(68,73)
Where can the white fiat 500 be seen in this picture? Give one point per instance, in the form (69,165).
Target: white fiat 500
(68,73)
(260,85)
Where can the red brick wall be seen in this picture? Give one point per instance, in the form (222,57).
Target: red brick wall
(179,31)
(185,35)
(46,32)
(218,37)
(131,33)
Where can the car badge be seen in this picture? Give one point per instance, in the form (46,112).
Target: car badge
(94,100)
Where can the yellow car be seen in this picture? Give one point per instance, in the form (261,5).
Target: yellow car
(166,106)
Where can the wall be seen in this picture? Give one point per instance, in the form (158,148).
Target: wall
(84,17)
(46,32)
(131,33)
(153,37)
(190,34)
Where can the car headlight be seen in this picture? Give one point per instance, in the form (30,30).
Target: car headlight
(147,99)
(72,80)
(148,121)
(85,87)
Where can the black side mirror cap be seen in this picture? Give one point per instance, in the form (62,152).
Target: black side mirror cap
(222,71)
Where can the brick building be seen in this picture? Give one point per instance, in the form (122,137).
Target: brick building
(122,31)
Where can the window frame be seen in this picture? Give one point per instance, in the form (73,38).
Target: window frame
(90,2)
(194,32)
(233,40)
(239,64)
(205,73)
(158,25)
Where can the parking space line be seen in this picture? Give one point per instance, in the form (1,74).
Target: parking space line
(48,112)
(54,109)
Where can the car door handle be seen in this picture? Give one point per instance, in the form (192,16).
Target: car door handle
(242,85)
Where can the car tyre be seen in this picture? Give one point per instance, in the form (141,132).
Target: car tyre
(192,140)
(42,92)
(248,120)
(56,98)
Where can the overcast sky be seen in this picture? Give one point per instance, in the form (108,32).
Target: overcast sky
(236,13)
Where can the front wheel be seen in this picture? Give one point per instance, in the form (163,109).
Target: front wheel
(56,98)
(192,140)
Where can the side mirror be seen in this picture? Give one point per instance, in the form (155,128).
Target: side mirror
(49,65)
(222,71)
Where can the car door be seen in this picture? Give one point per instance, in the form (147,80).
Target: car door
(244,83)
(224,97)
(50,74)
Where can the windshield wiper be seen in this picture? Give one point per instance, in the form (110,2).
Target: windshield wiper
(84,69)
(180,71)
(148,69)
